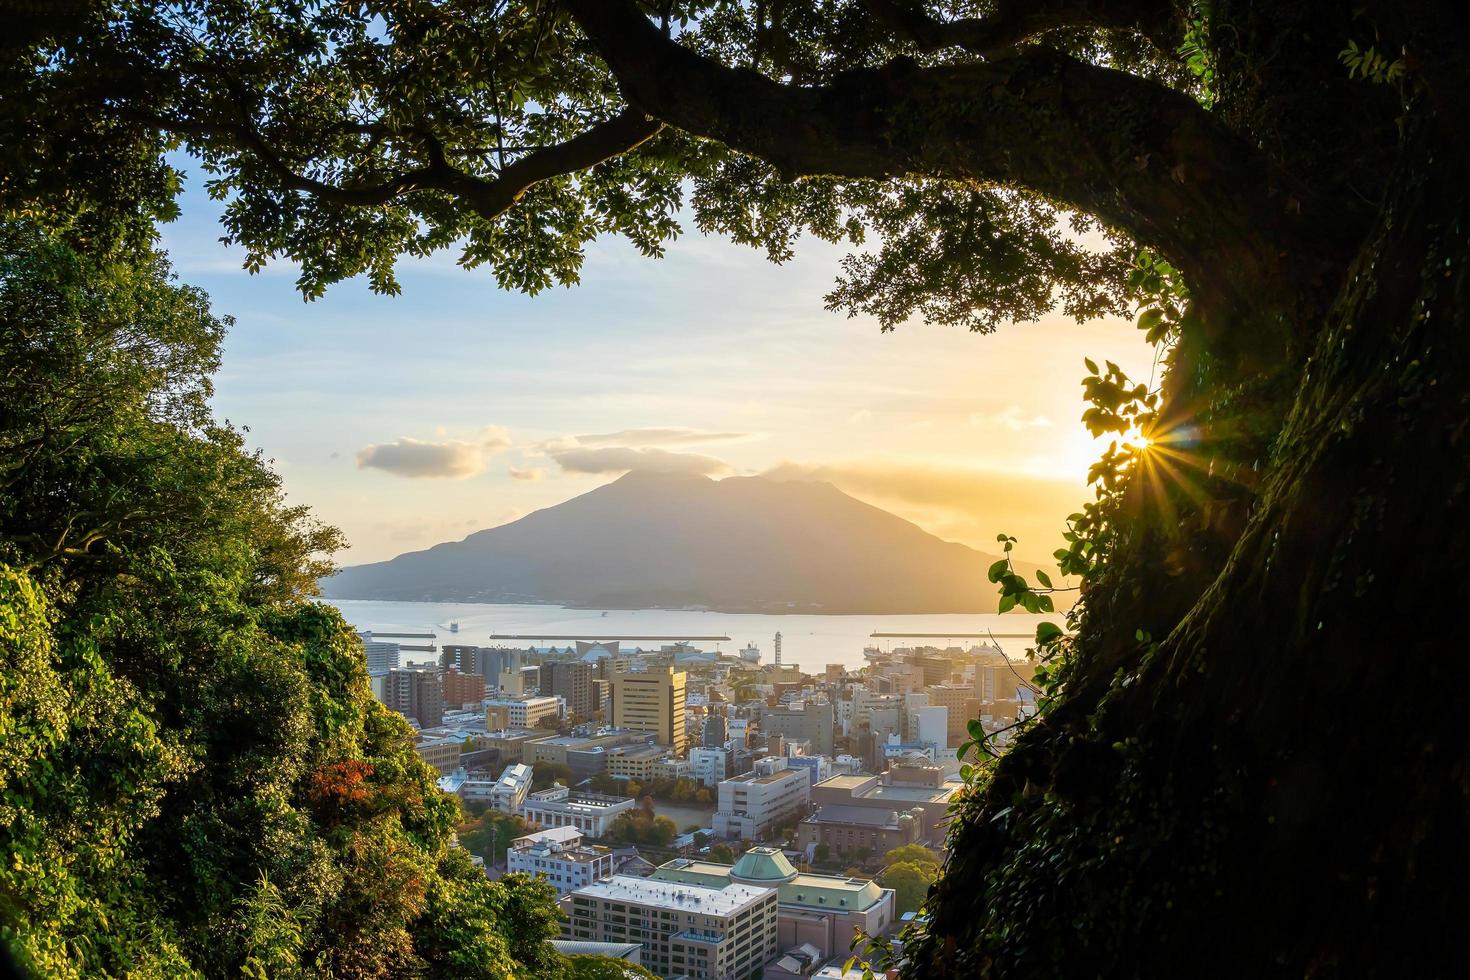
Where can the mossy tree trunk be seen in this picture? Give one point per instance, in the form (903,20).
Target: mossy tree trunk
(1281,784)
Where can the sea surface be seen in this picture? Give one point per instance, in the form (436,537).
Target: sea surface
(811,642)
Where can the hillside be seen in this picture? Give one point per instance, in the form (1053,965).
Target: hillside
(660,540)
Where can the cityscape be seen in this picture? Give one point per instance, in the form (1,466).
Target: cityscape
(704,814)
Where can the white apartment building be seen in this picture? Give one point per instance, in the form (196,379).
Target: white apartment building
(768,795)
(559,856)
(686,930)
(591,813)
(708,765)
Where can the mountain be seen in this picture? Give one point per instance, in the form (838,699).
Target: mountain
(660,540)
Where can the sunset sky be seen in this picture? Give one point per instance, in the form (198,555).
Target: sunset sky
(412,420)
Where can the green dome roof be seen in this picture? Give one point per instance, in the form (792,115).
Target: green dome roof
(763,865)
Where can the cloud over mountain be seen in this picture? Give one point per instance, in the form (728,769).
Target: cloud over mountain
(624,459)
(452,459)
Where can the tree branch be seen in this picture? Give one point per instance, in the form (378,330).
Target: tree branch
(1141,156)
(489,198)
(1015,21)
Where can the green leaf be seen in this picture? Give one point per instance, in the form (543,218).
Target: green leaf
(1007,603)
(1043,578)
(1091,365)
(997,569)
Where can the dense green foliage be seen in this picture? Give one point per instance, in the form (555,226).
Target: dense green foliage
(196,779)
(1275,189)
(604,968)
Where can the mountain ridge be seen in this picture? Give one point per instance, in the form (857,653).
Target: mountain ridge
(663,540)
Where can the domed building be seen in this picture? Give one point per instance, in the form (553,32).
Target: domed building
(820,910)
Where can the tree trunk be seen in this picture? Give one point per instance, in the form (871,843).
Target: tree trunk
(1282,785)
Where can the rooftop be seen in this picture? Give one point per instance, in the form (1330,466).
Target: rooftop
(867,816)
(669,894)
(810,890)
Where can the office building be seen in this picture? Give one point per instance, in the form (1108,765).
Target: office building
(766,797)
(510,744)
(694,931)
(652,702)
(891,793)
(441,753)
(803,721)
(715,732)
(559,856)
(601,698)
(845,830)
(571,680)
(710,765)
(530,712)
(825,911)
(635,761)
(591,813)
(415,693)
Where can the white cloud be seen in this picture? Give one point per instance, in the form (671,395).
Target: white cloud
(860,416)
(529,473)
(453,459)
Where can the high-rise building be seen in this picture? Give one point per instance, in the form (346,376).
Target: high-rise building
(382,656)
(715,732)
(651,702)
(602,697)
(572,681)
(416,693)
(462,689)
(804,721)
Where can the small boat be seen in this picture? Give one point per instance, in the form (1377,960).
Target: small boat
(454,627)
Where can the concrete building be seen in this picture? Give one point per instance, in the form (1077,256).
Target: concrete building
(461,690)
(505,794)
(693,931)
(501,713)
(415,693)
(571,680)
(559,856)
(382,656)
(817,767)
(709,765)
(803,721)
(591,813)
(715,732)
(892,795)
(766,797)
(822,910)
(962,704)
(602,698)
(672,768)
(635,761)
(844,830)
(441,753)
(651,702)
(510,743)
(510,682)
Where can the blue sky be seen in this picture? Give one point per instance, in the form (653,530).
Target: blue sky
(416,419)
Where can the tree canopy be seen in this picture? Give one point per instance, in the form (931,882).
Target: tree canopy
(1276,190)
(196,779)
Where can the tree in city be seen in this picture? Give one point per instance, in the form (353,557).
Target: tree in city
(195,779)
(1276,191)
(489,834)
(911,853)
(722,854)
(910,881)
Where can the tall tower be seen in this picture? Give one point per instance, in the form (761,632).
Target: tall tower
(778,649)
